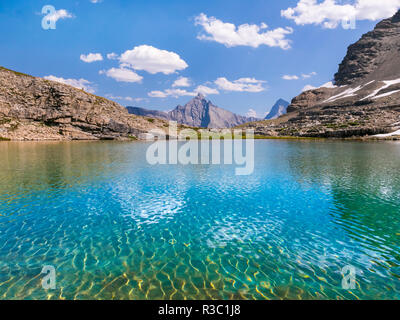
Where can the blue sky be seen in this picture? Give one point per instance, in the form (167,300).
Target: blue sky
(157,42)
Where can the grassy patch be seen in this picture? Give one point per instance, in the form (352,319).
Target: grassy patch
(4,139)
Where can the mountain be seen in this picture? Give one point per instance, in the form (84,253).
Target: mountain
(279,109)
(374,57)
(198,112)
(363,100)
(37,109)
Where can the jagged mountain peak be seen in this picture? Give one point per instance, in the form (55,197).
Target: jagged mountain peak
(279,109)
(198,112)
(199,96)
(374,57)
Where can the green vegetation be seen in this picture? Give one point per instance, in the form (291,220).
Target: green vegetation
(150,120)
(4,139)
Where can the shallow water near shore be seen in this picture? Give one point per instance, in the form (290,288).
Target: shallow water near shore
(115,227)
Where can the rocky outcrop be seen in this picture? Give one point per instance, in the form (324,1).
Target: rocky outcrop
(374,57)
(36,109)
(198,112)
(365,100)
(279,109)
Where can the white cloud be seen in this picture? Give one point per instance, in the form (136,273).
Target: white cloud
(308,75)
(95,1)
(241,85)
(130,99)
(171,93)
(329,13)
(251,114)
(295,77)
(112,56)
(182,82)
(206,90)
(153,60)
(181,92)
(290,77)
(243,35)
(91,57)
(77,83)
(122,75)
(59,14)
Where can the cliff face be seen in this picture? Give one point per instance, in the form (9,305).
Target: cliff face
(37,109)
(374,57)
(365,100)
(198,112)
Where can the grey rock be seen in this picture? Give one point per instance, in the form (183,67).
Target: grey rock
(198,112)
(364,102)
(279,109)
(36,109)
(374,57)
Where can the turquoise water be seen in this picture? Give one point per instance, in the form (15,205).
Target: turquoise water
(115,227)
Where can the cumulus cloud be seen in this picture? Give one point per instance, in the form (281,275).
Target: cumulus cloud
(204,90)
(181,92)
(290,77)
(295,77)
(251,114)
(91,57)
(122,75)
(244,35)
(176,93)
(308,75)
(153,60)
(241,85)
(112,56)
(182,82)
(130,99)
(329,13)
(58,14)
(77,83)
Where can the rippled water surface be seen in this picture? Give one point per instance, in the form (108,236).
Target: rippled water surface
(115,227)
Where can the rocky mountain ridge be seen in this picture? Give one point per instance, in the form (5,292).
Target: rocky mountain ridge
(364,101)
(198,112)
(37,109)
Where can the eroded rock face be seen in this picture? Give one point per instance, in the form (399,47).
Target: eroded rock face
(374,57)
(365,100)
(308,99)
(37,109)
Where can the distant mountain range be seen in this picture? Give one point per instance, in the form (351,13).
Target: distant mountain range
(198,112)
(279,109)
